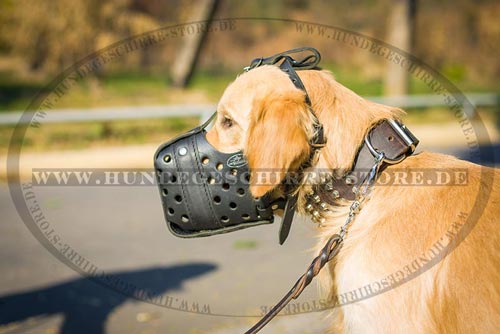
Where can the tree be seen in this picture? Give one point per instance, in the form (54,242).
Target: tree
(185,62)
(400,34)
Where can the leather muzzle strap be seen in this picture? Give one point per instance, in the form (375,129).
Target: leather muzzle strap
(316,143)
(289,65)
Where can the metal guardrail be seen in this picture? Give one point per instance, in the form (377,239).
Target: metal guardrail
(111,114)
(205,110)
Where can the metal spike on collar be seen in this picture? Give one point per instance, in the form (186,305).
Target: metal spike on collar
(329,186)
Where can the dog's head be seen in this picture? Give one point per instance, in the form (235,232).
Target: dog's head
(266,116)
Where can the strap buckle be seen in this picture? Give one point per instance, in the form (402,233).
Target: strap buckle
(408,137)
(319,140)
(404,133)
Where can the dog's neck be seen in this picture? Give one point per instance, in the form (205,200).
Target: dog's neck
(389,141)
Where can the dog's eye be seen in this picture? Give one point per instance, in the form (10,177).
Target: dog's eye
(227,122)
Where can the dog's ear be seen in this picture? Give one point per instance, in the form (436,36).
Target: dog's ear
(277,139)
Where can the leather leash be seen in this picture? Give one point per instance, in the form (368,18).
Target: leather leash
(329,251)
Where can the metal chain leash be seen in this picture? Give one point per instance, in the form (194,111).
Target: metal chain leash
(329,251)
(362,192)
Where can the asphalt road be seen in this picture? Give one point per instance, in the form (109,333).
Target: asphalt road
(121,231)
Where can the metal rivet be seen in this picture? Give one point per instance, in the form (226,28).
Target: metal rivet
(316,199)
(355,189)
(309,207)
(324,206)
(183,151)
(349,180)
(316,214)
(336,193)
(329,187)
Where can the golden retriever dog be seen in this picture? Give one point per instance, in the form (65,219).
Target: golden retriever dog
(400,230)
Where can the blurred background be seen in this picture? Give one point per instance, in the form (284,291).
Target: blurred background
(118,113)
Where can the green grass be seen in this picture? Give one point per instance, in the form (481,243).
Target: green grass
(51,137)
(117,89)
(212,83)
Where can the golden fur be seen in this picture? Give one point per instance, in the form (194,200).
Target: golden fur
(265,115)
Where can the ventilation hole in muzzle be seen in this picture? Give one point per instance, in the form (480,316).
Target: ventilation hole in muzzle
(224,219)
(234,172)
(233,205)
(225,186)
(217,199)
(167,158)
(184,219)
(219,166)
(211,180)
(247,177)
(173,178)
(241,191)
(170,211)
(245,216)
(158,172)
(205,160)
(164,192)
(178,198)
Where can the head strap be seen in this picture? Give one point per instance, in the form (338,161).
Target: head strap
(309,62)
(289,65)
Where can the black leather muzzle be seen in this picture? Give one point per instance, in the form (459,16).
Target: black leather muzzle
(205,191)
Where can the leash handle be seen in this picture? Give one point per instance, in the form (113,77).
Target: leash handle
(328,252)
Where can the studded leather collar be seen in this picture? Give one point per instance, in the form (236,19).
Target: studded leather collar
(390,137)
